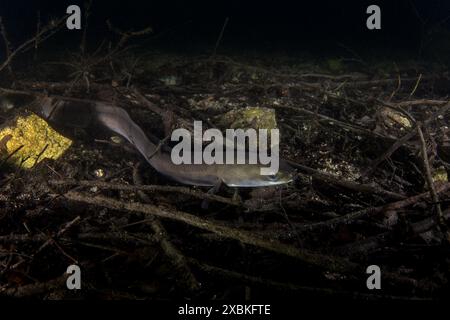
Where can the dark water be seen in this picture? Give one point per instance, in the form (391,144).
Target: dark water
(285,25)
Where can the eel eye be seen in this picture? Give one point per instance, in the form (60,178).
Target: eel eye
(272,177)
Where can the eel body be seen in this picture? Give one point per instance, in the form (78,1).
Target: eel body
(82,114)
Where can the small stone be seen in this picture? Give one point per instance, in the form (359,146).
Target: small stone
(394,118)
(249,117)
(440,175)
(99,173)
(116,139)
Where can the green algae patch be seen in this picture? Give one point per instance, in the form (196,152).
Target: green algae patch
(30,141)
(249,117)
(440,175)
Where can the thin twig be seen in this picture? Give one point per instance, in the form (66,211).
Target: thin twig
(149,188)
(332,121)
(429,178)
(351,217)
(281,286)
(37,38)
(41,153)
(416,85)
(319,260)
(43,34)
(10,155)
(34,289)
(87,13)
(400,142)
(7,44)
(50,241)
(182,269)
(350,185)
(219,38)
(419,102)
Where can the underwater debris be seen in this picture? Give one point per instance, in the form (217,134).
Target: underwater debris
(394,118)
(249,117)
(440,175)
(32,140)
(99,173)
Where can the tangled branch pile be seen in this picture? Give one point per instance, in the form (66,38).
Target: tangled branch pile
(372,155)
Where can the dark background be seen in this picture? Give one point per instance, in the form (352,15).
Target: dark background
(281,24)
